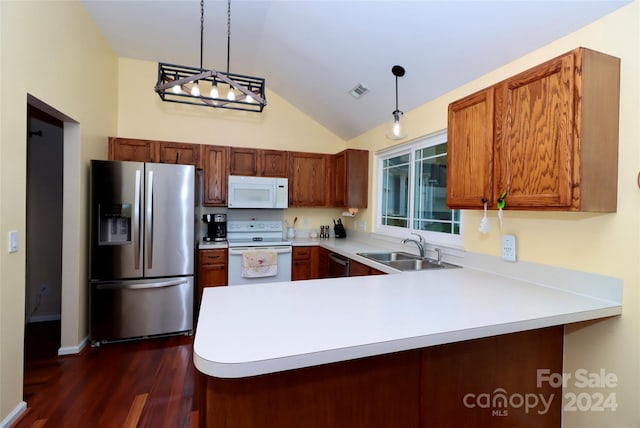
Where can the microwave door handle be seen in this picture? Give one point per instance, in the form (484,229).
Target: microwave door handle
(149,220)
(137,236)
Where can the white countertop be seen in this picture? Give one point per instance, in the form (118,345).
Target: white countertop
(263,328)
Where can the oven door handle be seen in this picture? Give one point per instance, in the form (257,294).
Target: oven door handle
(241,250)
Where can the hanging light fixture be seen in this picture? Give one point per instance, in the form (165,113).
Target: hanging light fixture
(199,86)
(397,129)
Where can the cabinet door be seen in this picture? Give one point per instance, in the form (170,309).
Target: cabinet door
(272,163)
(215,167)
(351,177)
(323,262)
(243,161)
(470,151)
(534,141)
(213,267)
(127,149)
(360,269)
(308,180)
(179,153)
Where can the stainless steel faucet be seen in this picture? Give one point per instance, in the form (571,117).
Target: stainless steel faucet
(419,242)
(439,255)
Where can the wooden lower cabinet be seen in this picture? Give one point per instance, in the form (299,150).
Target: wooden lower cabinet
(360,269)
(212,269)
(304,263)
(453,385)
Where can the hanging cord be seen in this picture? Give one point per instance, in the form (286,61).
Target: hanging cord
(396,94)
(228,33)
(201,30)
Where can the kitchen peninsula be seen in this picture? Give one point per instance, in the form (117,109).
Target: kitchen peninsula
(412,349)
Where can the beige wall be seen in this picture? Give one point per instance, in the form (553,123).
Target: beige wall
(600,243)
(53,51)
(61,59)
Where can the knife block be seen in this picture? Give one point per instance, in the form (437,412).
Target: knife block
(339,231)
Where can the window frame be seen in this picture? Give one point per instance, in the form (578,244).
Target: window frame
(440,238)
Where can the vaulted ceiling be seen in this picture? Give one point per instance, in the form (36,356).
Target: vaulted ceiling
(314,52)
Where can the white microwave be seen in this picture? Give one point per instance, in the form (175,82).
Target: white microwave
(258,192)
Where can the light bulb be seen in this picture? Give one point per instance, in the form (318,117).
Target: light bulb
(231,96)
(195,89)
(397,129)
(214,91)
(249,99)
(176,89)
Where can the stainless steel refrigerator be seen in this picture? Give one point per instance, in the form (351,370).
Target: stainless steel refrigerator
(142,249)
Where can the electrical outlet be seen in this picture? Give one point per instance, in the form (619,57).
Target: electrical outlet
(509,248)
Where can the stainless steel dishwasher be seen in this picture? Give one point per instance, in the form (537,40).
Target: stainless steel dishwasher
(338,265)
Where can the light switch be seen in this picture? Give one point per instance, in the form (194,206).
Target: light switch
(13,241)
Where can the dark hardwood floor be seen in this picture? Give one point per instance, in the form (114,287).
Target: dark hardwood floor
(146,383)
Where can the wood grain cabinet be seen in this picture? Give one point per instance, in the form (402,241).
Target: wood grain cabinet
(258,162)
(309,181)
(470,150)
(213,268)
(360,269)
(547,136)
(215,165)
(351,175)
(301,263)
(273,163)
(179,153)
(130,149)
(243,161)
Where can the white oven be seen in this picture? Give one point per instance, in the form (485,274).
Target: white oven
(261,241)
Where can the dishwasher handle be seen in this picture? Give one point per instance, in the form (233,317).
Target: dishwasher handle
(336,258)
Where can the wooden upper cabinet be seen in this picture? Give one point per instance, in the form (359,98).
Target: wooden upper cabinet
(470,157)
(350,178)
(243,161)
(308,180)
(129,149)
(179,153)
(535,151)
(272,163)
(258,162)
(215,165)
(555,138)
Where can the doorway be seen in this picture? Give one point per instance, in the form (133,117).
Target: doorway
(43,282)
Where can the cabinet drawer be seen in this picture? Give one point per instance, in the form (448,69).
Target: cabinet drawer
(208,257)
(301,253)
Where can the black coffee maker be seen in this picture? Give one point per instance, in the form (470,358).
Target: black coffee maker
(216,227)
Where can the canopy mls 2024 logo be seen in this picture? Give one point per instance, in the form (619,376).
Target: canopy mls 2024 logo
(594,394)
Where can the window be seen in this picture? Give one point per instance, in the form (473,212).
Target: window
(412,183)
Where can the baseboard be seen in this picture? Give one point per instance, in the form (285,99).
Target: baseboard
(72,350)
(14,415)
(44,318)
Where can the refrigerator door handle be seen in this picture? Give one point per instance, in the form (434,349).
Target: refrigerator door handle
(149,220)
(137,236)
(131,286)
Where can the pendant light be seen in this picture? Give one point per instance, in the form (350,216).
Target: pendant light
(185,85)
(397,129)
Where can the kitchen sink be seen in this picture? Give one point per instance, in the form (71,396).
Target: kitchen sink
(389,256)
(407,261)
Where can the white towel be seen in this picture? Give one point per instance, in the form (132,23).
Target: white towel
(260,263)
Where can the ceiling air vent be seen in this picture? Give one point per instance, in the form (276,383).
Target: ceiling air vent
(359,90)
